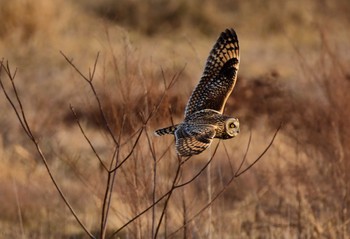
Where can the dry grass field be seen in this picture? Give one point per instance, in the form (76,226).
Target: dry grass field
(294,71)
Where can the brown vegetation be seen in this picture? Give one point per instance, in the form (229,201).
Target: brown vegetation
(293,70)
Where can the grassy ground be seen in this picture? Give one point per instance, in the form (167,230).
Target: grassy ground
(294,58)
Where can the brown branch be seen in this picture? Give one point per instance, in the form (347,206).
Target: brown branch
(24,123)
(146,209)
(146,119)
(201,170)
(110,185)
(154,186)
(131,151)
(236,175)
(261,155)
(245,153)
(19,116)
(104,212)
(173,187)
(91,75)
(92,87)
(87,139)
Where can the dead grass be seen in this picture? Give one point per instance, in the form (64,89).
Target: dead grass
(289,72)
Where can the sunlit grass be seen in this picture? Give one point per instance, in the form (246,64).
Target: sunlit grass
(293,70)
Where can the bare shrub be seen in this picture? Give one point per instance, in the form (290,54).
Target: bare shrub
(143,203)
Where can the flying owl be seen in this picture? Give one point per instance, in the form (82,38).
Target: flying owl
(204,119)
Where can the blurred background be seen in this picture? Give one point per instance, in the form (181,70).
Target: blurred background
(294,70)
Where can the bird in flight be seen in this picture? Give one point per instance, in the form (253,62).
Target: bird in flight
(204,119)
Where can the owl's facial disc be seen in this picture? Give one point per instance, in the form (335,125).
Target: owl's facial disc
(232,127)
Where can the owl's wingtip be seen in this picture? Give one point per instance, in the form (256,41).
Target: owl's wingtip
(230,32)
(230,29)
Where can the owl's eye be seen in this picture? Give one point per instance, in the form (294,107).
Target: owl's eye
(232,125)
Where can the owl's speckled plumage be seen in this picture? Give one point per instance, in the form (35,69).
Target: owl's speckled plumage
(204,120)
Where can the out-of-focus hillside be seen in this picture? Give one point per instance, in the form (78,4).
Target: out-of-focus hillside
(294,58)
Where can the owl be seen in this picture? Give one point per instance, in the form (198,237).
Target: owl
(204,119)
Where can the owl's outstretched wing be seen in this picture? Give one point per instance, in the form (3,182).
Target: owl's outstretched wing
(219,75)
(193,139)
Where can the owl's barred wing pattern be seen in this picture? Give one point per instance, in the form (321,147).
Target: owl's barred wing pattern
(219,75)
(166,130)
(193,139)
(203,115)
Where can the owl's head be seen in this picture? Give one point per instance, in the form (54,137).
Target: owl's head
(232,127)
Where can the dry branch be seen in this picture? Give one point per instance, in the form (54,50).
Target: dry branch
(22,118)
(235,175)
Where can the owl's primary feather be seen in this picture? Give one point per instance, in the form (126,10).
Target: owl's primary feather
(219,75)
(204,120)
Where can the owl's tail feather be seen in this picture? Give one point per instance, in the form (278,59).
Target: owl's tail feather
(164,131)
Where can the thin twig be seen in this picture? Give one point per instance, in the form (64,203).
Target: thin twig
(145,210)
(165,195)
(236,175)
(92,87)
(87,138)
(109,189)
(154,186)
(261,155)
(201,170)
(70,61)
(11,102)
(23,121)
(245,154)
(167,199)
(94,69)
(146,119)
(174,186)
(131,151)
